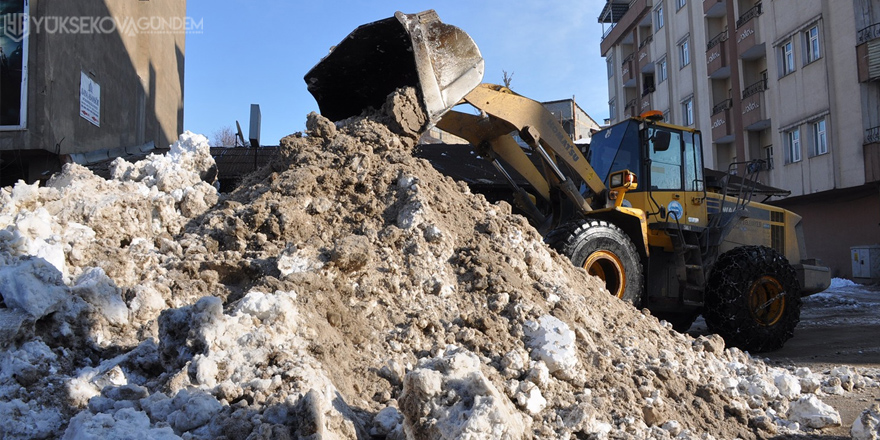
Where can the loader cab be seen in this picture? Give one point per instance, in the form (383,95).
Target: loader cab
(668,162)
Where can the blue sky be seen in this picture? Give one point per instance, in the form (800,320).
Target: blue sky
(257,52)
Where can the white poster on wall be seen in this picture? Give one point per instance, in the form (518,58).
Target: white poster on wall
(89,100)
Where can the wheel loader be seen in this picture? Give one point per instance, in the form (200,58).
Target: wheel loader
(634,209)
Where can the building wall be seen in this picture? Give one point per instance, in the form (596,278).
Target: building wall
(140,75)
(836,221)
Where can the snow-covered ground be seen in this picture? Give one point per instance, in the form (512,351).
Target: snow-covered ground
(855,304)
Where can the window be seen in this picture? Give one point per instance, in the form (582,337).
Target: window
(684,53)
(811,43)
(666,161)
(820,139)
(610,62)
(661,70)
(693,162)
(793,142)
(687,111)
(768,156)
(680,3)
(658,17)
(611,110)
(786,59)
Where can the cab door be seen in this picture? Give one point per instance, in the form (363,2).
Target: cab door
(675,176)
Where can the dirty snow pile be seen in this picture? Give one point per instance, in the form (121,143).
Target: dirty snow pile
(346,291)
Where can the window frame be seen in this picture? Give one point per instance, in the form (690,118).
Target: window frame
(610,61)
(680,4)
(812,45)
(687,111)
(786,58)
(793,145)
(658,17)
(684,53)
(820,137)
(662,73)
(768,156)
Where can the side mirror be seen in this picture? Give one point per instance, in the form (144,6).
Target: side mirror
(660,140)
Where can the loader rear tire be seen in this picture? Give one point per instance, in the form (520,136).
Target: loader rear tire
(753,299)
(605,251)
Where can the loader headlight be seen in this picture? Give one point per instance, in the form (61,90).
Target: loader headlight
(625,179)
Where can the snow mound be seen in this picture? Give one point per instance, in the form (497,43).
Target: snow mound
(347,290)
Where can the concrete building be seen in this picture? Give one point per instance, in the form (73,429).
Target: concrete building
(790,82)
(576,122)
(87,80)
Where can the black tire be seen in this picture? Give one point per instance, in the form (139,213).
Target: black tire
(604,250)
(753,299)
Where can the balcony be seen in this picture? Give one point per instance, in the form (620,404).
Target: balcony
(749,44)
(722,133)
(643,57)
(717,63)
(631,110)
(754,116)
(872,154)
(868,53)
(623,25)
(714,8)
(646,103)
(627,71)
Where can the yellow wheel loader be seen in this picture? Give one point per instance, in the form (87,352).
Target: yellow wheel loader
(634,209)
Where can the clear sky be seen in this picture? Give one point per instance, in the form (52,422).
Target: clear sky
(257,52)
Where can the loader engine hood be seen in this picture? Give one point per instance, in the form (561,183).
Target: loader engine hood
(408,50)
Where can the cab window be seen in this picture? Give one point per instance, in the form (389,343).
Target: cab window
(693,162)
(665,153)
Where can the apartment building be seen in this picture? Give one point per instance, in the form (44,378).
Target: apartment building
(791,83)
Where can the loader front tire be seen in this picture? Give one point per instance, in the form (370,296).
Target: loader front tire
(753,299)
(605,251)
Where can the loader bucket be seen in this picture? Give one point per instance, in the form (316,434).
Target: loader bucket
(408,50)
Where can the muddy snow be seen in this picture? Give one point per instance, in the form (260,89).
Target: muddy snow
(346,291)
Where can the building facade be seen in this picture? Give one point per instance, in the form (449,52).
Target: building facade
(87,80)
(789,83)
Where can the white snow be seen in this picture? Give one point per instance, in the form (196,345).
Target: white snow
(448,396)
(552,341)
(867,425)
(812,412)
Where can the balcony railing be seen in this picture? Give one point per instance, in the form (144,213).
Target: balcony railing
(648,90)
(723,105)
(647,40)
(750,14)
(872,135)
(718,39)
(757,87)
(867,34)
(628,59)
